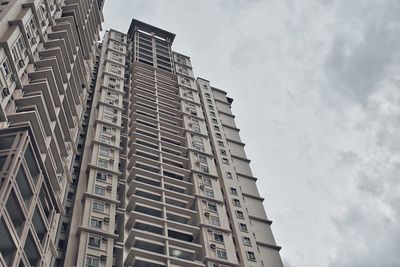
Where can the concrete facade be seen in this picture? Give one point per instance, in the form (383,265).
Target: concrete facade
(114,154)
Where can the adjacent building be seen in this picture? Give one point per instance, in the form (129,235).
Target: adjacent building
(47,55)
(113,153)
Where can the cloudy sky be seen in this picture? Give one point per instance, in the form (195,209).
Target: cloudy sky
(316,89)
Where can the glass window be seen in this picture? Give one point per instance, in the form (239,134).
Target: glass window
(221,253)
(243,227)
(96,223)
(218,237)
(104,151)
(5,68)
(207,181)
(100,190)
(98,206)
(233,191)
(209,193)
(215,221)
(229,175)
(94,241)
(103,163)
(251,256)
(246,241)
(212,206)
(101,176)
(92,261)
(202,159)
(236,202)
(239,214)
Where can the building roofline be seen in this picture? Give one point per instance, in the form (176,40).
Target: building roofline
(147,27)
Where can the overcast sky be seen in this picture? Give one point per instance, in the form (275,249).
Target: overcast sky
(316,89)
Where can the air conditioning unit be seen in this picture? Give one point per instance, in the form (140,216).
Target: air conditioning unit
(104,239)
(44,22)
(103,258)
(13,77)
(21,63)
(107,204)
(109,188)
(206,214)
(197,163)
(213,246)
(216,265)
(5,92)
(187,108)
(106,219)
(33,40)
(202,187)
(190,124)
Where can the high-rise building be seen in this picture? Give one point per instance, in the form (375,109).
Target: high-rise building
(164,179)
(47,55)
(113,154)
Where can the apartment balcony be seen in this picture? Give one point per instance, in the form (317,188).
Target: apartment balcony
(172,197)
(142,252)
(63,64)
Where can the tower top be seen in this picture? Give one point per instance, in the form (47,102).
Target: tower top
(137,25)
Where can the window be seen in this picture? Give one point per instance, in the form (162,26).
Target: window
(221,253)
(103,163)
(243,227)
(96,223)
(5,68)
(98,206)
(211,107)
(246,241)
(207,95)
(239,214)
(212,206)
(100,190)
(236,202)
(219,237)
(207,181)
(218,135)
(233,191)
(101,176)
(215,221)
(223,152)
(225,161)
(109,130)
(251,256)
(220,143)
(92,261)
(209,193)
(216,128)
(204,169)
(228,175)
(94,241)
(209,101)
(202,159)
(212,113)
(214,120)
(64,227)
(104,151)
